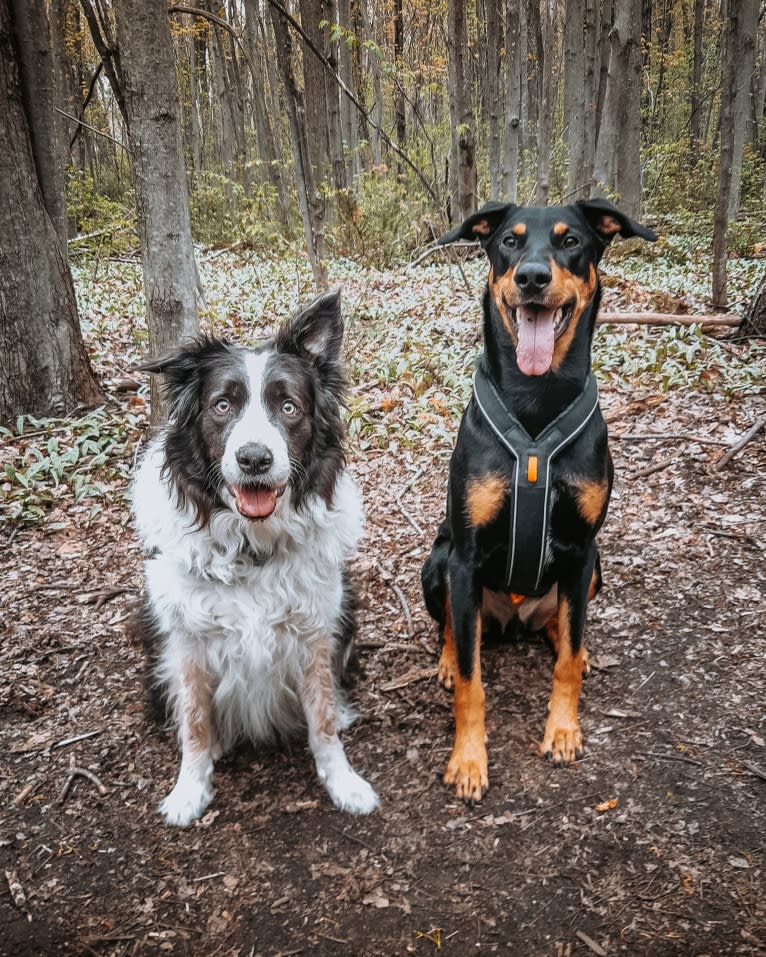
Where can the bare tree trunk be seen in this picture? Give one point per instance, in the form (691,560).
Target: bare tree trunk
(602,60)
(315,106)
(695,118)
(309,200)
(162,201)
(493,101)
(332,96)
(40,90)
(263,129)
(575,94)
(373,63)
(463,158)
(745,59)
(515,75)
(733,28)
(348,117)
(548,66)
(617,168)
(400,112)
(535,60)
(44,369)
(195,119)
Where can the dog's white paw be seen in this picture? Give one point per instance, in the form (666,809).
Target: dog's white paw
(186,802)
(350,792)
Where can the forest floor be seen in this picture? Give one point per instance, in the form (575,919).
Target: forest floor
(653,844)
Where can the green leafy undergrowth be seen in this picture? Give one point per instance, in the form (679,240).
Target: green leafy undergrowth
(45,462)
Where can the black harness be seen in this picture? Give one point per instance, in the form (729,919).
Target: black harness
(531,491)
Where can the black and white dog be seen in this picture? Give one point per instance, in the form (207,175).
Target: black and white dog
(249,517)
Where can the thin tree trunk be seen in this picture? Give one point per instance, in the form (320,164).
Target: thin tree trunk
(617,169)
(745,59)
(548,66)
(44,369)
(309,200)
(314,97)
(602,59)
(535,60)
(732,16)
(159,176)
(515,56)
(493,101)
(373,62)
(695,119)
(348,117)
(463,152)
(400,113)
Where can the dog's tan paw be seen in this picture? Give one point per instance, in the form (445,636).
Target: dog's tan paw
(467,771)
(446,670)
(562,744)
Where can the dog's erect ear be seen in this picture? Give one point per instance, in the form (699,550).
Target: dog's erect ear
(317,330)
(606,220)
(481,225)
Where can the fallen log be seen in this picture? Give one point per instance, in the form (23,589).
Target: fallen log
(721,320)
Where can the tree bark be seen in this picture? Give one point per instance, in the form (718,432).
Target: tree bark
(732,28)
(493,101)
(314,96)
(549,67)
(617,168)
(40,90)
(159,177)
(349,124)
(515,75)
(463,153)
(309,199)
(44,369)
(695,118)
(745,60)
(400,113)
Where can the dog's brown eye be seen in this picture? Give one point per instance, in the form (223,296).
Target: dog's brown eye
(570,242)
(510,241)
(222,406)
(289,408)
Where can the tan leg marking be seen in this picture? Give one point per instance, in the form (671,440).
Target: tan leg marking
(591,498)
(467,768)
(196,717)
(562,740)
(484,498)
(447,660)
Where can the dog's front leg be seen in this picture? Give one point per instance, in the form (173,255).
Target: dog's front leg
(348,790)
(193,790)
(562,740)
(467,767)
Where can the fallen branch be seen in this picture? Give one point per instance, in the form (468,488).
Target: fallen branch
(738,446)
(651,469)
(75,772)
(673,757)
(389,580)
(725,320)
(409,678)
(591,943)
(754,769)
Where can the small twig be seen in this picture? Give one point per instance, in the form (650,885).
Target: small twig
(591,943)
(738,446)
(25,792)
(662,437)
(74,772)
(389,580)
(356,840)
(17,892)
(651,469)
(737,536)
(74,740)
(410,677)
(754,769)
(672,757)
(207,877)
(409,518)
(435,248)
(91,128)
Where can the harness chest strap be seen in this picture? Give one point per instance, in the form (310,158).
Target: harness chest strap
(530,494)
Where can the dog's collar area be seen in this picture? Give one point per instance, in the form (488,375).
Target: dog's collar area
(531,487)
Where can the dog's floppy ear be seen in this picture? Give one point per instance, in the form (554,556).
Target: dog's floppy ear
(317,330)
(606,220)
(481,225)
(182,369)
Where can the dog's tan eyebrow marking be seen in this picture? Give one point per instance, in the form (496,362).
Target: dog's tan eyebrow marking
(560,228)
(520,229)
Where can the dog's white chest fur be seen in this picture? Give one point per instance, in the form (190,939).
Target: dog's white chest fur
(244,599)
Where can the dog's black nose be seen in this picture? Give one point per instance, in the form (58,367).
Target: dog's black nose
(254,458)
(532,277)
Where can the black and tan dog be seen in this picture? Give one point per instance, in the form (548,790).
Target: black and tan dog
(531,474)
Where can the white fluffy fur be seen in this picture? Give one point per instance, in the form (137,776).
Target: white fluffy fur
(254,624)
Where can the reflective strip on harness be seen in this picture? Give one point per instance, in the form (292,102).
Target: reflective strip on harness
(530,500)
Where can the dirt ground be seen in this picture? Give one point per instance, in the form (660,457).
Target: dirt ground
(672,713)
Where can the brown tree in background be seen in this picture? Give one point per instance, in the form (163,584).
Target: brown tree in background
(159,176)
(463,175)
(44,369)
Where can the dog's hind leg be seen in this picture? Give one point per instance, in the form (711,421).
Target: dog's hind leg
(348,790)
(193,790)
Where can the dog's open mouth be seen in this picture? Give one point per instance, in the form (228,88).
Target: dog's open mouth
(256,501)
(538,327)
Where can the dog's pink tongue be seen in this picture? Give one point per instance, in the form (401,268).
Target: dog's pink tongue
(534,352)
(254,502)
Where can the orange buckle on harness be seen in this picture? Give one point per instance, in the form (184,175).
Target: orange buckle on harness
(532,468)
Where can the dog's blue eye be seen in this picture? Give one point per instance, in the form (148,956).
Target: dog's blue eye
(289,408)
(222,406)
(570,242)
